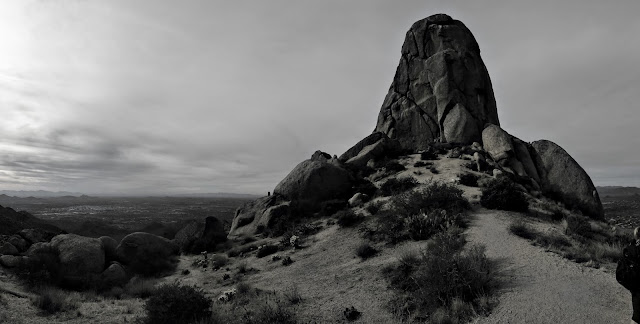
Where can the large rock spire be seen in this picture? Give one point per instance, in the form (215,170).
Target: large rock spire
(441,90)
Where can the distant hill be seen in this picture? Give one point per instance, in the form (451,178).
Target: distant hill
(617,191)
(12,221)
(38,193)
(216,195)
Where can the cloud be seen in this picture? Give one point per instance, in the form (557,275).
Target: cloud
(161,96)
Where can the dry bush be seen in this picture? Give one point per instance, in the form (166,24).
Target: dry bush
(394,166)
(504,195)
(347,218)
(469,180)
(140,287)
(522,229)
(435,195)
(292,295)
(396,186)
(266,249)
(444,282)
(172,303)
(52,300)
(218,261)
(255,306)
(365,251)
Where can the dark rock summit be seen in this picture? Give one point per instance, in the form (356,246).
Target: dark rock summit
(441,90)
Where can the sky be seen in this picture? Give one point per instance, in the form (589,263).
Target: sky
(166,97)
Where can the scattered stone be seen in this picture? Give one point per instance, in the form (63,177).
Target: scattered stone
(358,199)
(477,147)
(456,153)
(227,295)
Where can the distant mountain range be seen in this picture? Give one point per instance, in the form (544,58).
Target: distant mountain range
(617,191)
(52,194)
(38,193)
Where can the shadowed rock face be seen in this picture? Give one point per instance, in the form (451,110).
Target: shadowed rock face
(565,179)
(441,90)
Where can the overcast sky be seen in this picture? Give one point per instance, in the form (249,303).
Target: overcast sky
(140,97)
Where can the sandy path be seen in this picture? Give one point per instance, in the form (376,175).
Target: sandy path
(542,287)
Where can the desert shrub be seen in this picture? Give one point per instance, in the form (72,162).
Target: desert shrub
(331,207)
(365,251)
(218,261)
(436,195)
(444,279)
(265,250)
(351,313)
(388,226)
(140,287)
(504,195)
(366,187)
(557,215)
(420,164)
(428,155)
(172,303)
(469,180)
(394,166)
(434,170)
(577,226)
(53,300)
(242,267)
(423,226)
(347,218)
(471,166)
(522,229)
(292,295)
(286,261)
(302,208)
(374,207)
(271,313)
(395,186)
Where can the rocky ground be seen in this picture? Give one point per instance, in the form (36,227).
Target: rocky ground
(537,286)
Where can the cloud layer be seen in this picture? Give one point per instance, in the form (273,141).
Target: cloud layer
(204,96)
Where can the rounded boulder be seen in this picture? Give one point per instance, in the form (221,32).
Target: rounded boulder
(146,253)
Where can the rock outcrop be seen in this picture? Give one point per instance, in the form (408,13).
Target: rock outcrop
(441,90)
(372,147)
(316,180)
(565,179)
(547,166)
(80,257)
(196,236)
(146,253)
(259,214)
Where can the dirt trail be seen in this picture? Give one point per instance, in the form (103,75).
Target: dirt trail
(542,287)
